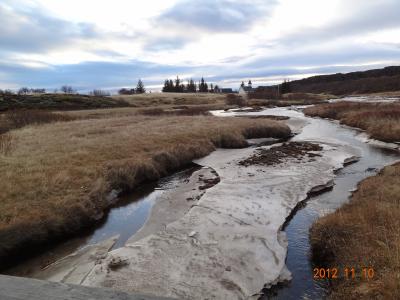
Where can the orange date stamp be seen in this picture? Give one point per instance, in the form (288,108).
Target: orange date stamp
(366,273)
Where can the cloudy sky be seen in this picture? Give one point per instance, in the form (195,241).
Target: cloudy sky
(111,43)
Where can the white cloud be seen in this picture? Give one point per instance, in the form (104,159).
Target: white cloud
(210,37)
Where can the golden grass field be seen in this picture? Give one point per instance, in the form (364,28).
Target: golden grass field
(55,177)
(365,233)
(381,121)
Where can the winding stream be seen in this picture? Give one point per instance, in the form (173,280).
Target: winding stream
(372,158)
(133,210)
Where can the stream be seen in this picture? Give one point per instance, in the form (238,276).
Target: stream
(132,211)
(372,159)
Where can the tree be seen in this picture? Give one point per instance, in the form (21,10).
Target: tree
(140,87)
(178,88)
(216,89)
(38,91)
(242,85)
(203,86)
(125,91)
(23,91)
(99,93)
(191,86)
(66,89)
(211,88)
(285,87)
(167,87)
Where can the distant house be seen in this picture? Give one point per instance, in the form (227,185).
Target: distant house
(226,91)
(244,90)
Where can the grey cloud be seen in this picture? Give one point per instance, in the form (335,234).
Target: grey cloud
(216,15)
(34,32)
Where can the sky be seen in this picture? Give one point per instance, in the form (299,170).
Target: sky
(107,44)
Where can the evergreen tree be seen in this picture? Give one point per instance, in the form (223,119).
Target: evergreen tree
(191,87)
(211,88)
(140,87)
(203,87)
(285,87)
(166,88)
(179,87)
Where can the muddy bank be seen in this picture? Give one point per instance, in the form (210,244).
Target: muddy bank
(229,243)
(137,216)
(280,153)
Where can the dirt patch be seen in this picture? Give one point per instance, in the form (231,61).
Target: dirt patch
(279,154)
(208,182)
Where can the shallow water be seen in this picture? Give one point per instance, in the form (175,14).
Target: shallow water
(372,158)
(123,219)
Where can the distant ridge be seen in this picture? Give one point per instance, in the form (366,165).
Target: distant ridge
(371,81)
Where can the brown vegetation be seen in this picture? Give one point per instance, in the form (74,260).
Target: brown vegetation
(380,120)
(13,119)
(372,81)
(57,177)
(364,234)
(57,102)
(265,98)
(278,154)
(192,110)
(232,99)
(167,99)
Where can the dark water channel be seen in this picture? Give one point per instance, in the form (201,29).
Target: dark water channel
(372,158)
(123,219)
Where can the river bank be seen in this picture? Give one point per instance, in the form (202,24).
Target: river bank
(213,248)
(252,202)
(363,235)
(60,178)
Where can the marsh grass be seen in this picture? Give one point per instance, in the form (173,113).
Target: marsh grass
(5,143)
(380,120)
(364,233)
(57,177)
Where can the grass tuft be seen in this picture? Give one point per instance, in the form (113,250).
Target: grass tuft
(364,234)
(380,120)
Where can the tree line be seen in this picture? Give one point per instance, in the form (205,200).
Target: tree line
(140,89)
(178,86)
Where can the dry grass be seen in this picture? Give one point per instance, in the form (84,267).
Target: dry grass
(57,102)
(364,233)
(57,177)
(5,143)
(157,99)
(232,99)
(380,120)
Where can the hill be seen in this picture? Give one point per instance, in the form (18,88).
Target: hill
(371,81)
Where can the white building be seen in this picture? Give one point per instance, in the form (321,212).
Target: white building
(244,90)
